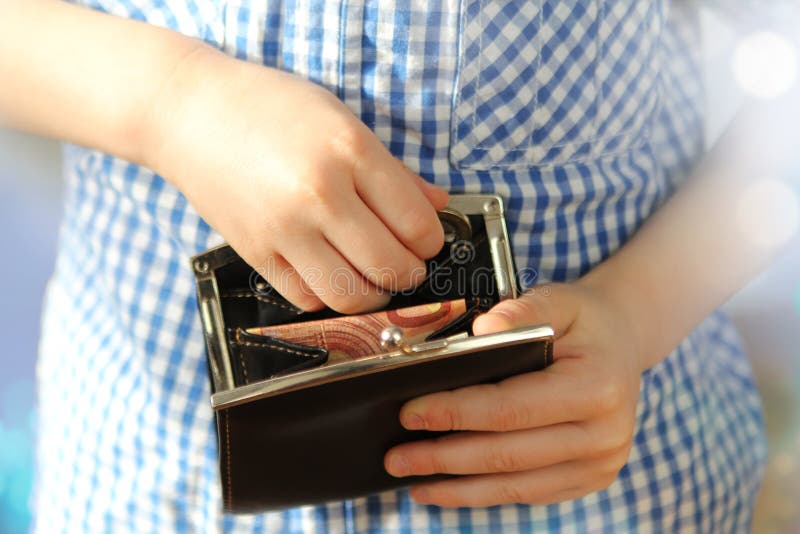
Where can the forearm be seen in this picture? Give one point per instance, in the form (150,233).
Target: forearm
(698,249)
(83,76)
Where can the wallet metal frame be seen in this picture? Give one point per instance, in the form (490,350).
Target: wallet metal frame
(428,351)
(226,394)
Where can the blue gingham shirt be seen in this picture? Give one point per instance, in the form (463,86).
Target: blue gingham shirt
(583,114)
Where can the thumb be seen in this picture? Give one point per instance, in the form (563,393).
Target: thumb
(542,304)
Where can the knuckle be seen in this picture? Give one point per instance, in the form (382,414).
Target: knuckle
(319,186)
(395,278)
(608,397)
(511,493)
(607,438)
(444,417)
(411,273)
(506,415)
(421,227)
(607,470)
(383,277)
(604,438)
(583,444)
(399,281)
(438,464)
(501,461)
(612,441)
(416,225)
(620,439)
(350,141)
(453,419)
(621,455)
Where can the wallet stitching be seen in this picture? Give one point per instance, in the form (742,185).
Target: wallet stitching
(228,459)
(291,308)
(262,298)
(262,344)
(244,368)
(547,357)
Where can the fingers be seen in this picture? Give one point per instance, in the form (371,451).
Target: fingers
(287,281)
(332,279)
(556,483)
(561,393)
(373,250)
(382,219)
(399,199)
(471,453)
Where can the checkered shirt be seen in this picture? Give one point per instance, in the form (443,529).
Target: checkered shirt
(583,114)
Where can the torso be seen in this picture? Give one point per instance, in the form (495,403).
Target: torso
(582,115)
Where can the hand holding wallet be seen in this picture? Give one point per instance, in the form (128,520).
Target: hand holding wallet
(285,382)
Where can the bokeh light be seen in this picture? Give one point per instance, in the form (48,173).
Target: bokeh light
(765,64)
(769,212)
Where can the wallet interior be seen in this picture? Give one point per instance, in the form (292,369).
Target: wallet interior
(473,265)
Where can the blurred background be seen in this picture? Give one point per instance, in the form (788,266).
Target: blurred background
(30,208)
(767,312)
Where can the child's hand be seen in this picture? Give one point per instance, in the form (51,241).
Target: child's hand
(300,188)
(541,437)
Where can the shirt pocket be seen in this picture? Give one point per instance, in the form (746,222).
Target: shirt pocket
(553,81)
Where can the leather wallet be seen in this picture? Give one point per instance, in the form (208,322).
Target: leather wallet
(295,428)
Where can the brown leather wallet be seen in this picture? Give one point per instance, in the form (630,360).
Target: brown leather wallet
(295,429)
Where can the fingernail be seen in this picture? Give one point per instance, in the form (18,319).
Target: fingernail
(413,422)
(398,466)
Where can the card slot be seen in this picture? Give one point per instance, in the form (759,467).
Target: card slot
(256,357)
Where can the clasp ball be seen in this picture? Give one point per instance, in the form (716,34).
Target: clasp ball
(392,337)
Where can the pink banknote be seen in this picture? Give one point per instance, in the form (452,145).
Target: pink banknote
(356,336)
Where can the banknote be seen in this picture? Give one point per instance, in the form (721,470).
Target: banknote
(355,336)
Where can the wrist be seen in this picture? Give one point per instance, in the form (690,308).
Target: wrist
(622,297)
(194,66)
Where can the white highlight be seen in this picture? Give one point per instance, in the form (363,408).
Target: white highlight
(765,64)
(769,213)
